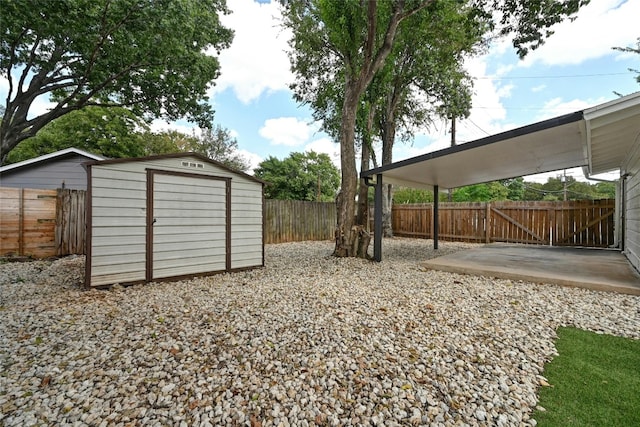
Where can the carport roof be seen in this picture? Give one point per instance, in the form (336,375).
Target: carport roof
(598,138)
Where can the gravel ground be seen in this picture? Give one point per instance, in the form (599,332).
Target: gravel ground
(308,340)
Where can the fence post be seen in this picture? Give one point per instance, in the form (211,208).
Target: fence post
(487,216)
(21,222)
(430,222)
(552,225)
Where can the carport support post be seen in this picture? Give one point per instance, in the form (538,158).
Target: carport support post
(436,219)
(377,220)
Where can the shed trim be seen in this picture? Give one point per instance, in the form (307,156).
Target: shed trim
(88,212)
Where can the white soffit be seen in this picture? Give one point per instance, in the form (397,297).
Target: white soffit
(541,147)
(612,130)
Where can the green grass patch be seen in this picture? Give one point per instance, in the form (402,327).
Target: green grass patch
(595,381)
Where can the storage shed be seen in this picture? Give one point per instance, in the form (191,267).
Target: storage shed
(170,217)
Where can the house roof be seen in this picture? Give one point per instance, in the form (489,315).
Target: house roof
(49,157)
(597,138)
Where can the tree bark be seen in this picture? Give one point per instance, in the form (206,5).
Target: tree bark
(362,217)
(346,196)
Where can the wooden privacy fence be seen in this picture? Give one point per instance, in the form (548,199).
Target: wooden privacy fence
(44,223)
(573,223)
(293,220)
(41,223)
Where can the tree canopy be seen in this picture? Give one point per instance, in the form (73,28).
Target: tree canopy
(300,176)
(117,133)
(110,132)
(155,58)
(218,144)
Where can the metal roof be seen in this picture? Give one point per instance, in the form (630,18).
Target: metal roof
(51,156)
(598,138)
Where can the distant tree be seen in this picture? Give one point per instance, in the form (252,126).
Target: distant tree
(403,195)
(111,132)
(166,142)
(154,57)
(486,192)
(554,190)
(605,190)
(218,144)
(515,188)
(300,176)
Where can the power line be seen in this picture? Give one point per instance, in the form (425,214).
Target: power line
(473,123)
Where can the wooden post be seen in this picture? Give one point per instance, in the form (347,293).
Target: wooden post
(487,231)
(21,222)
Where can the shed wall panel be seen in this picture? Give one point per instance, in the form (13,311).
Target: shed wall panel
(118,206)
(49,174)
(632,210)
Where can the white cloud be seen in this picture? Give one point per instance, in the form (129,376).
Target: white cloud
(159,125)
(327,146)
(538,88)
(288,131)
(253,158)
(557,106)
(600,26)
(256,61)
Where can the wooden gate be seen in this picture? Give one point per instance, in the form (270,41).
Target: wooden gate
(520,222)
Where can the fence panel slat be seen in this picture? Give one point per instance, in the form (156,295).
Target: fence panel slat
(572,223)
(293,220)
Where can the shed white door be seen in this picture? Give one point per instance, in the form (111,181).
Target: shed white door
(189,225)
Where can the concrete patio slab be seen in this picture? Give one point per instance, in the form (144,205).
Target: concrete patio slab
(596,269)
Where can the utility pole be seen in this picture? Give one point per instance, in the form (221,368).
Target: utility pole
(453,131)
(564,186)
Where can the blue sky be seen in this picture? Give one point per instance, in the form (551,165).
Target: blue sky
(575,69)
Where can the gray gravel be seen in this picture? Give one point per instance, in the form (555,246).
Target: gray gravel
(308,340)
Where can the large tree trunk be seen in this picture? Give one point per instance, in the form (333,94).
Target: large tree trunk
(346,196)
(355,85)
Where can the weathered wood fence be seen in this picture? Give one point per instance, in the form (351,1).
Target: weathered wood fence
(44,223)
(571,223)
(41,223)
(292,220)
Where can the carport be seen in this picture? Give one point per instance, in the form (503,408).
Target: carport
(599,139)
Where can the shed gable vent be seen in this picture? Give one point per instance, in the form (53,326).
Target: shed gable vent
(193,165)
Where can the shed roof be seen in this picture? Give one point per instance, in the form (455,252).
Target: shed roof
(50,157)
(198,156)
(597,138)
